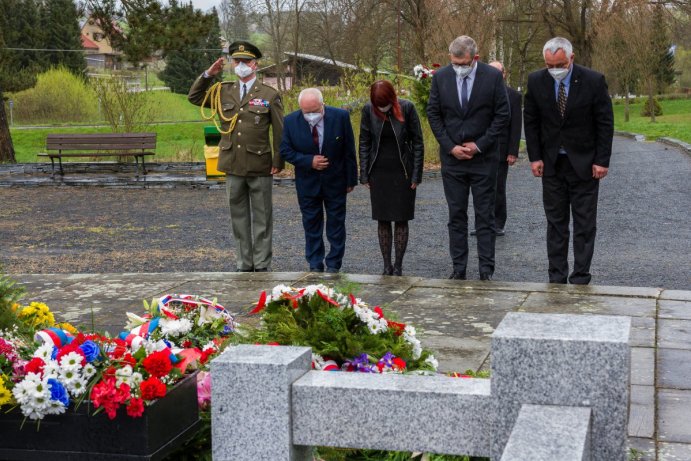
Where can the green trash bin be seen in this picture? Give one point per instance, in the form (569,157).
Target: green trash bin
(211,140)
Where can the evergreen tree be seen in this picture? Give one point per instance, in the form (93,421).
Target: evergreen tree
(664,67)
(193,44)
(61,23)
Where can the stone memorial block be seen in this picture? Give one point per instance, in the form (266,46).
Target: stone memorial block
(550,433)
(565,360)
(251,411)
(436,414)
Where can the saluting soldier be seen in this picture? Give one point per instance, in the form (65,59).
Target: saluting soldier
(246,109)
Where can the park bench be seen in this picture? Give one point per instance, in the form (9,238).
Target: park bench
(137,145)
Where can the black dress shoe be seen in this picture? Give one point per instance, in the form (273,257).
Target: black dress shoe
(501,232)
(397,270)
(332,270)
(262,270)
(245,270)
(486,276)
(457,276)
(316,269)
(473,232)
(388,270)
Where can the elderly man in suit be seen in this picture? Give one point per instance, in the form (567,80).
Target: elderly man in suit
(248,108)
(319,141)
(568,128)
(467,111)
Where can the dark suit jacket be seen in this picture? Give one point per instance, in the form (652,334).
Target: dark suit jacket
(481,122)
(510,141)
(586,130)
(297,147)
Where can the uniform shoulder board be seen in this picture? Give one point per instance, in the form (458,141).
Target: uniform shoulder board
(228,82)
(269,86)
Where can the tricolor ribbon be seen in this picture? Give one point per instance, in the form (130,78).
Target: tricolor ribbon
(53,336)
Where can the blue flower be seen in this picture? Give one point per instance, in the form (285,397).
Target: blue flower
(91,351)
(58,392)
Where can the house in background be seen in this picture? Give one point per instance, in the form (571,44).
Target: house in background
(99,53)
(319,69)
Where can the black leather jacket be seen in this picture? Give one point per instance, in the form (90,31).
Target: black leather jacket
(411,147)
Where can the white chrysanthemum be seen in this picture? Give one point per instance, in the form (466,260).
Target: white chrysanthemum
(175,328)
(55,408)
(136,379)
(68,376)
(317,361)
(432,361)
(278,290)
(71,361)
(77,386)
(33,396)
(44,352)
(51,369)
(88,371)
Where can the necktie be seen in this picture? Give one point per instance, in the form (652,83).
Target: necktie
(561,100)
(315,137)
(464,93)
(244,91)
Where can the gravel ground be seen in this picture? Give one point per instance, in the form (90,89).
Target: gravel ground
(643,239)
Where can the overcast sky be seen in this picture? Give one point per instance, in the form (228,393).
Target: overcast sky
(205,5)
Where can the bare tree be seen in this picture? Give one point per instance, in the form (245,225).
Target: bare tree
(233,17)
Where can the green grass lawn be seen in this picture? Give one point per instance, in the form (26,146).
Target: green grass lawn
(675,121)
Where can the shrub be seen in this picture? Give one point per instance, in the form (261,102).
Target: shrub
(58,97)
(650,107)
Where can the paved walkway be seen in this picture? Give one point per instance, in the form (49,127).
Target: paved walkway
(457,319)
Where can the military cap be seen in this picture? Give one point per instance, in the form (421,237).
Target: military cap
(244,50)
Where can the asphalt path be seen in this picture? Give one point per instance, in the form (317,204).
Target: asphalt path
(644,236)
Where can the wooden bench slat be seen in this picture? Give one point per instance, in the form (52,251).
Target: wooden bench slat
(95,154)
(98,147)
(100,135)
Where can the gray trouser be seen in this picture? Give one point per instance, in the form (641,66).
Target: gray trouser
(251,218)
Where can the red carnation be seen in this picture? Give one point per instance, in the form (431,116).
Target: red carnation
(129,360)
(436,65)
(379,311)
(109,372)
(135,408)
(119,350)
(206,354)
(152,388)
(158,364)
(35,365)
(187,343)
(396,327)
(399,363)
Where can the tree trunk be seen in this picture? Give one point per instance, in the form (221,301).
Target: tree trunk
(6,147)
(626,102)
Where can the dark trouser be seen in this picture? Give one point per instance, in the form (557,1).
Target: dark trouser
(566,194)
(312,208)
(500,202)
(457,185)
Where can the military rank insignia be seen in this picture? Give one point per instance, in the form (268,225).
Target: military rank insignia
(259,102)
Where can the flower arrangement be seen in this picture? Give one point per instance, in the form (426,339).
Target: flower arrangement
(423,84)
(345,333)
(45,372)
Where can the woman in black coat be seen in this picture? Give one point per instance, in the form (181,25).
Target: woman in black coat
(391,160)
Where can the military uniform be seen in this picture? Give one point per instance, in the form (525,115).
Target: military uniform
(246,151)
(246,156)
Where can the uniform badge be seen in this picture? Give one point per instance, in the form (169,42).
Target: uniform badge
(259,102)
(257,119)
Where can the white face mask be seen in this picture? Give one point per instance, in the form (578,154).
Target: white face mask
(558,74)
(462,71)
(242,70)
(385,109)
(313,117)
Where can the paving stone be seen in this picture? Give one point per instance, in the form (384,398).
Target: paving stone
(681,295)
(674,334)
(644,449)
(643,366)
(576,303)
(456,354)
(675,309)
(674,415)
(642,332)
(674,452)
(674,368)
(489,286)
(642,411)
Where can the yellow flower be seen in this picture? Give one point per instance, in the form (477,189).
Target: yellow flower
(68,328)
(15,306)
(27,311)
(5,396)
